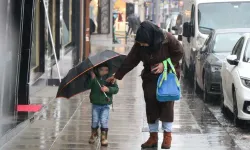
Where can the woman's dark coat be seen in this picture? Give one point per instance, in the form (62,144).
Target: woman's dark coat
(171,48)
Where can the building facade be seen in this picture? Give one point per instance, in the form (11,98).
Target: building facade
(27,54)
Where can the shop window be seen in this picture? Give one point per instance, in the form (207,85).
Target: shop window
(52,19)
(66,22)
(34,61)
(93,12)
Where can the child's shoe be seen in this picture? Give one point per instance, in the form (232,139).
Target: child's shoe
(94,136)
(104,138)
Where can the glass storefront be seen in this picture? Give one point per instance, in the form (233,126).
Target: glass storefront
(99,12)
(65,34)
(66,22)
(120,22)
(10,33)
(34,62)
(93,12)
(52,19)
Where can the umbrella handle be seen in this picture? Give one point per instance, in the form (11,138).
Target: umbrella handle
(103,92)
(105,95)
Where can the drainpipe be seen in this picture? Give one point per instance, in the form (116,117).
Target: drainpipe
(87,29)
(81,18)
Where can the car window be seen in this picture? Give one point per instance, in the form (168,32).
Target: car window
(224,42)
(236,46)
(206,43)
(223,15)
(193,20)
(208,39)
(247,52)
(239,48)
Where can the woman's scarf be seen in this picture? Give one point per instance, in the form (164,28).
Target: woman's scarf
(151,34)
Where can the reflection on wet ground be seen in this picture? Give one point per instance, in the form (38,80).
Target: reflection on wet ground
(241,135)
(65,124)
(12,124)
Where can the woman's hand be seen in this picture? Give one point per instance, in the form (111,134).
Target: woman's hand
(158,69)
(111,80)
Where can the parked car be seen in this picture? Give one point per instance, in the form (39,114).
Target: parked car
(178,27)
(170,23)
(209,59)
(213,14)
(236,81)
(173,28)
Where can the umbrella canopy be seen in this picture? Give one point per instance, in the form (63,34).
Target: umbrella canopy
(77,79)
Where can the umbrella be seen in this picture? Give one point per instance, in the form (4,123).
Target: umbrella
(76,81)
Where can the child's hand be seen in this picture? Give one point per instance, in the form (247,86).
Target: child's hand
(105,89)
(92,74)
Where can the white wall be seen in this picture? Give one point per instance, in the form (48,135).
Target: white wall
(141,10)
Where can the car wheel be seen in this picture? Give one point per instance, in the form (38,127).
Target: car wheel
(184,69)
(237,122)
(197,88)
(222,105)
(191,73)
(206,96)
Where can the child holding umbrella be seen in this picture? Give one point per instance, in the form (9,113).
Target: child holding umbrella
(101,96)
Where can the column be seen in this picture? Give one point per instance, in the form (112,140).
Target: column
(141,10)
(104,17)
(87,29)
(112,2)
(157,12)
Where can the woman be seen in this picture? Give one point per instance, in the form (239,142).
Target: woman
(152,47)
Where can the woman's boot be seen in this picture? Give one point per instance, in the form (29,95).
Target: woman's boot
(104,138)
(167,139)
(152,141)
(94,135)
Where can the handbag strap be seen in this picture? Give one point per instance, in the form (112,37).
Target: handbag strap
(173,69)
(165,72)
(171,66)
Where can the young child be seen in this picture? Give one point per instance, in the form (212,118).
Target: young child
(100,103)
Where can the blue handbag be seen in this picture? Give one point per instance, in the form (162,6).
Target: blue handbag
(168,85)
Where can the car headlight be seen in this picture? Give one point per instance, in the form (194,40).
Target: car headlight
(215,68)
(245,82)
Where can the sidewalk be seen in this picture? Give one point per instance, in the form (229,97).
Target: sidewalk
(65,124)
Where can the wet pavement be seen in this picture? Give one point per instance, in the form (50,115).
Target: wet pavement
(65,124)
(240,135)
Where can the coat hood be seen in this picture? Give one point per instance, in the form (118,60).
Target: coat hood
(103,65)
(151,34)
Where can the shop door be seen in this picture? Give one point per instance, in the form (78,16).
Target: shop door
(130,9)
